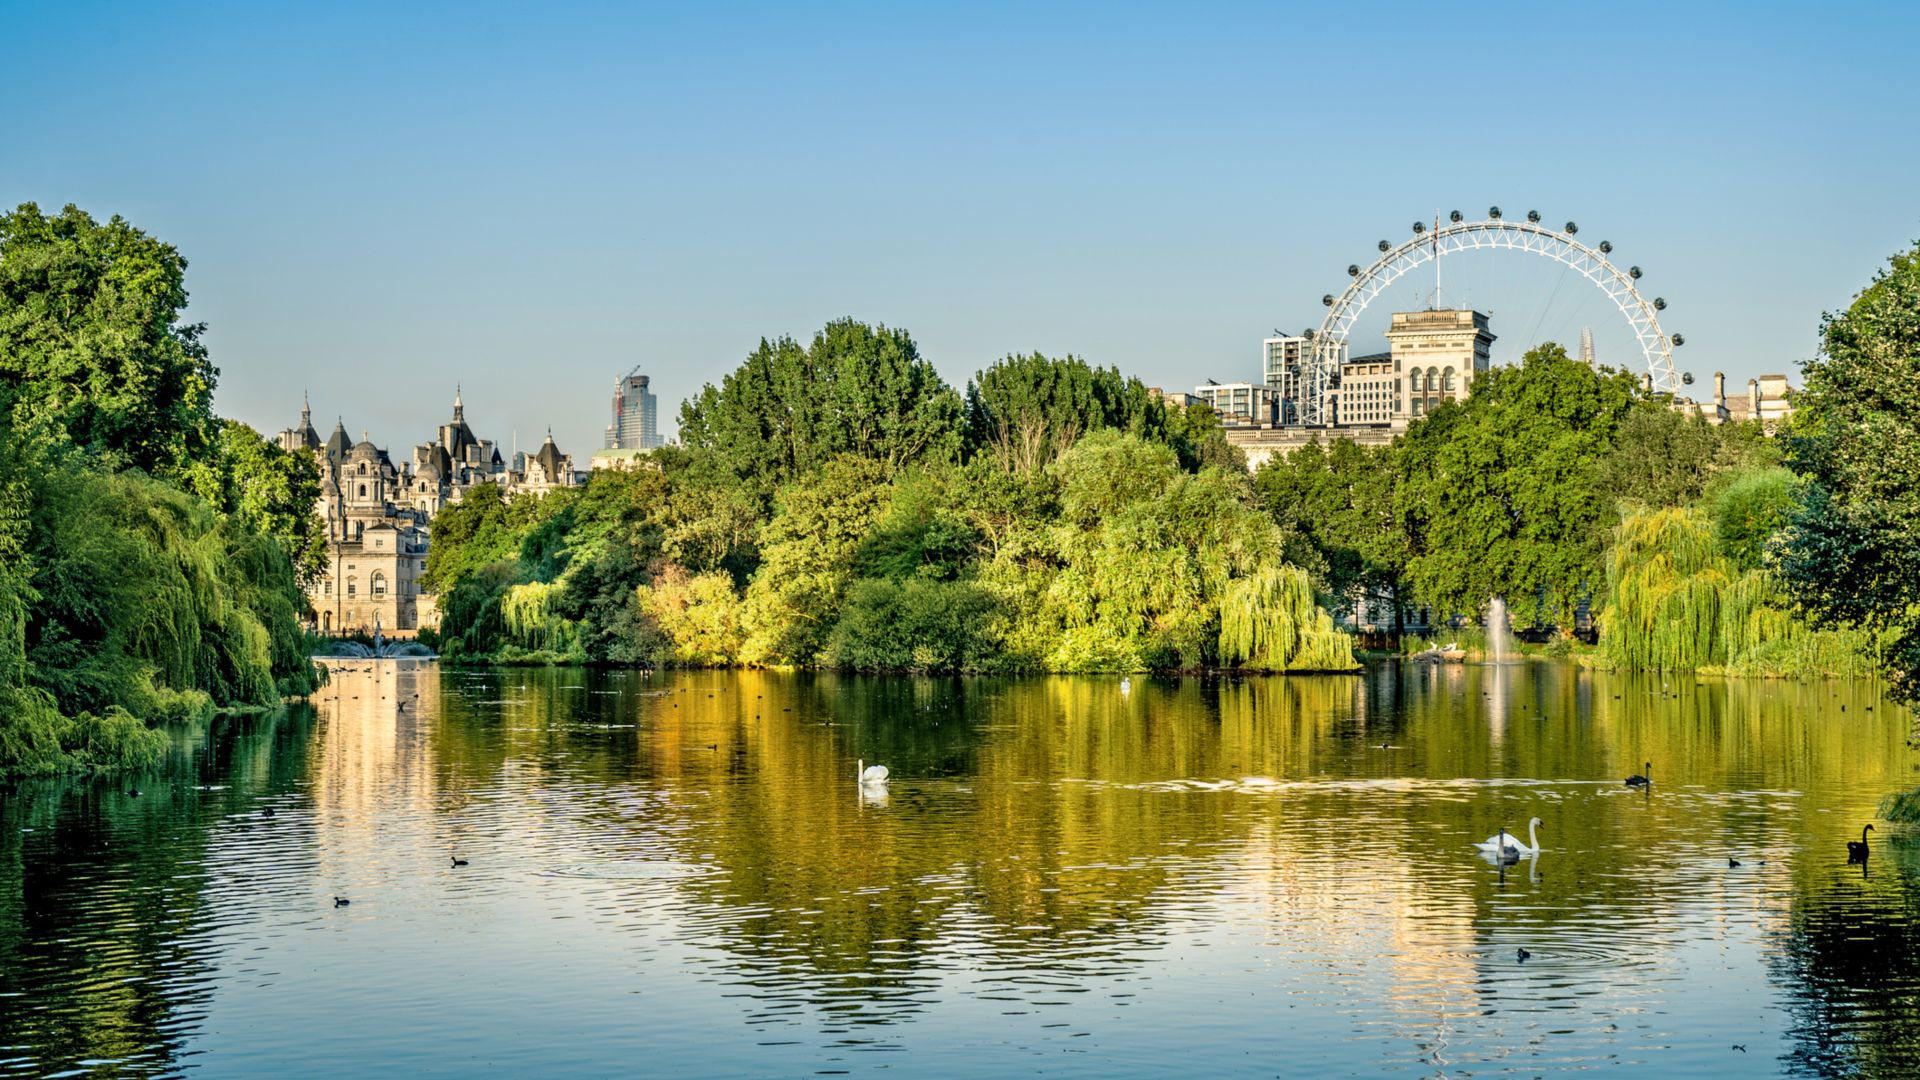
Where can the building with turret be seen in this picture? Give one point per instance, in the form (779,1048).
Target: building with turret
(377,515)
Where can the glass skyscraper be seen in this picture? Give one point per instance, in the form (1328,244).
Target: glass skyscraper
(636,415)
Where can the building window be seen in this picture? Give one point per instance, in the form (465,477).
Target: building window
(363,491)
(1447,376)
(379,583)
(1416,382)
(352,587)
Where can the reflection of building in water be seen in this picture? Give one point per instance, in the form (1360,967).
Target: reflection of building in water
(372,752)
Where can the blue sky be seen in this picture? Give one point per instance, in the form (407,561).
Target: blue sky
(531,199)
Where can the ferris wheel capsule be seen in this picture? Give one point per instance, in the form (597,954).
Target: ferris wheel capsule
(1327,299)
(1456,217)
(1572,228)
(1633,272)
(1678,341)
(1686,377)
(1606,248)
(1493,212)
(1353,270)
(1384,246)
(1419,227)
(1533,216)
(1659,303)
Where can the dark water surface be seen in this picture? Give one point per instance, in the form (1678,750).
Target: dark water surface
(678,875)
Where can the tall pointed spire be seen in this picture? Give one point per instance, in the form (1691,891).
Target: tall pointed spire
(458,409)
(306,410)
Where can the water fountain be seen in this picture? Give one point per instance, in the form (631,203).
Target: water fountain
(1499,632)
(382,648)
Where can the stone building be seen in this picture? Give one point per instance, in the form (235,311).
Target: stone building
(377,516)
(1439,353)
(1432,357)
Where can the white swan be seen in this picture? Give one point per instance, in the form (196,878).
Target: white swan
(1505,843)
(875,775)
(1125,686)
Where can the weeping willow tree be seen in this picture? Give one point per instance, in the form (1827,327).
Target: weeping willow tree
(1678,602)
(148,599)
(533,625)
(1269,621)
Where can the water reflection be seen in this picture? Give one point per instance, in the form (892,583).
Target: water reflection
(1193,874)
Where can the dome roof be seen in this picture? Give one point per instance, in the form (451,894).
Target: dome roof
(365,451)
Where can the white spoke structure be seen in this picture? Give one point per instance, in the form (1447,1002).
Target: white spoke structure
(1330,342)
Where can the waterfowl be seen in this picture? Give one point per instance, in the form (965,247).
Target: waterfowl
(341,901)
(1732,863)
(133,793)
(1505,843)
(1645,779)
(1521,955)
(457,860)
(1126,685)
(870,774)
(1857,849)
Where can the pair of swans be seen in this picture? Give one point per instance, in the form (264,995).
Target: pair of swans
(1505,845)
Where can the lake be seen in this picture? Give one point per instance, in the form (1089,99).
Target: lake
(678,874)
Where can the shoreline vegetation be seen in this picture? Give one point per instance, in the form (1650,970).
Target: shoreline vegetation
(835,504)
(150,552)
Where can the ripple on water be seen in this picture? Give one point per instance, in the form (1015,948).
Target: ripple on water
(635,870)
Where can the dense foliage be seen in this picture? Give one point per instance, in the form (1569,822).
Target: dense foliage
(1065,520)
(150,553)
(1851,554)
(1555,484)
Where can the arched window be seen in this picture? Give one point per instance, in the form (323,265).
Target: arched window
(1447,380)
(379,583)
(326,621)
(363,491)
(1416,382)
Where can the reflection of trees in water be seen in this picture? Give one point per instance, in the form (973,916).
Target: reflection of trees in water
(100,904)
(1850,961)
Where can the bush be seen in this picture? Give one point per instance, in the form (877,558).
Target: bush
(919,625)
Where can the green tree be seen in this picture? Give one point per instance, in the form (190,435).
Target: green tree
(856,390)
(1340,502)
(273,491)
(1665,458)
(91,342)
(1503,495)
(807,560)
(1025,411)
(1851,554)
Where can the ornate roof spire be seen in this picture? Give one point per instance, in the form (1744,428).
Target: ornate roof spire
(458,408)
(306,410)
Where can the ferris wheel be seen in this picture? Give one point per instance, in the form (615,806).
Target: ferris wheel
(1494,233)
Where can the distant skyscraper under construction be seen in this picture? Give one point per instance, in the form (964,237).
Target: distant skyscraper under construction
(636,415)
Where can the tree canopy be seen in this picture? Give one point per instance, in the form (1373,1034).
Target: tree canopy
(854,390)
(1851,554)
(91,342)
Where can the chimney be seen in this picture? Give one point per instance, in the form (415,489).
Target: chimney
(1753,399)
(1720,388)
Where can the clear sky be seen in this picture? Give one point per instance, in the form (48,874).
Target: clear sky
(380,201)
